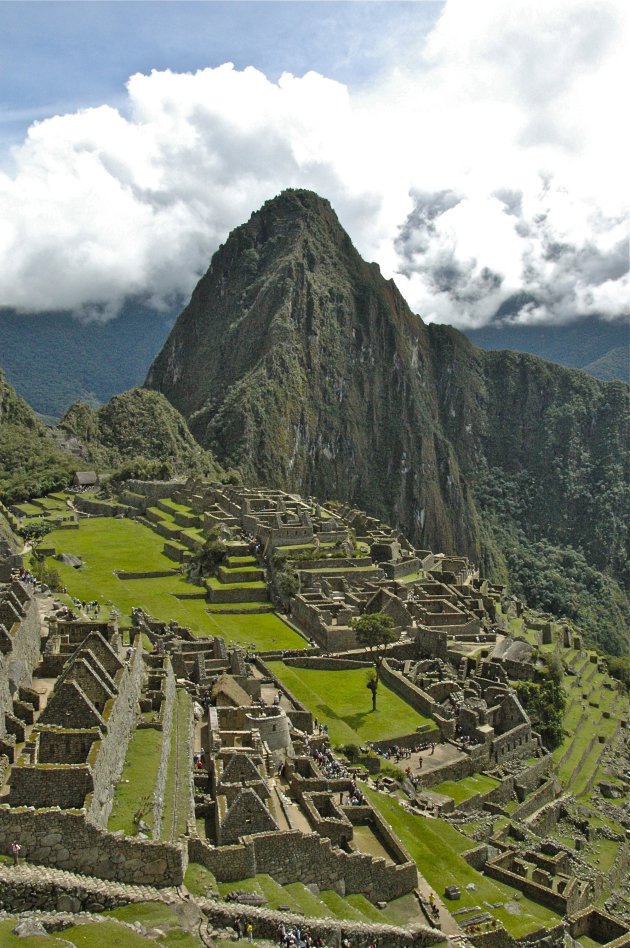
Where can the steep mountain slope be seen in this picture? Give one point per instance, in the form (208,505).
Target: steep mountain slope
(298,362)
(135,424)
(30,462)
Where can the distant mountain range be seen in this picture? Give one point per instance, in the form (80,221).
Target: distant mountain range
(599,347)
(52,359)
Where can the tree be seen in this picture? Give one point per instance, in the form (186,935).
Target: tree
(213,554)
(372,685)
(287,585)
(375,631)
(35,531)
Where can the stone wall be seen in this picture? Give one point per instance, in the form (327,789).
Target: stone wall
(530,778)
(298,714)
(419,700)
(100,508)
(19,894)
(152,491)
(37,786)
(546,793)
(25,644)
(65,839)
(497,795)
(545,819)
(111,756)
(570,900)
(309,858)
(598,925)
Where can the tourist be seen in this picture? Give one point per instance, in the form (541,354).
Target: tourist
(15,852)
(250,932)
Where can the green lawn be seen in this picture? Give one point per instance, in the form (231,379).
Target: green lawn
(107,544)
(460,790)
(95,935)
(175,814)
(342,701)
(134,790)
(436,848)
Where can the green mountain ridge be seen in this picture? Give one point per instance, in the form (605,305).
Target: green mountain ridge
(30,461)
(297,362)
(614,364)
(136,424)
(582,344)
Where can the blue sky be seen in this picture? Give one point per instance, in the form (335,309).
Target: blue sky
(60,56)
(473,148)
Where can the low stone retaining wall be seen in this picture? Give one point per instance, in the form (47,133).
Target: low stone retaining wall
(528,780)
(19,893)
(175,553)
(154,574)
(327,664)
(100,508)
(63,838)
(266,923)
(237,595)
(496,795)
(545,818)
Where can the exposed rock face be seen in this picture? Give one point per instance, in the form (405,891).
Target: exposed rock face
(297,362)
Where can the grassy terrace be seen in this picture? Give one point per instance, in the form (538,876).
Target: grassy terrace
(460,790)
(101,934)
(342,701)
(106,545)
(436,848)
(134,790)
(175,814)
(295,897)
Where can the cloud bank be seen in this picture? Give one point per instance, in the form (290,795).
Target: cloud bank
(488,176)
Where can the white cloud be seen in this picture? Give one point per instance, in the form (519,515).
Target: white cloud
(493,165)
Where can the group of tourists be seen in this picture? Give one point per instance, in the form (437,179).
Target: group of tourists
(328,764)
(24,576)
(355,797)
(199,760)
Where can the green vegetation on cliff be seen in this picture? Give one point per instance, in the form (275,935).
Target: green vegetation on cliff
(30,462)
(137,425)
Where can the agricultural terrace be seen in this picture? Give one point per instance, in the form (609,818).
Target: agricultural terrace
(107,545)
(342,700)
(437,848)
